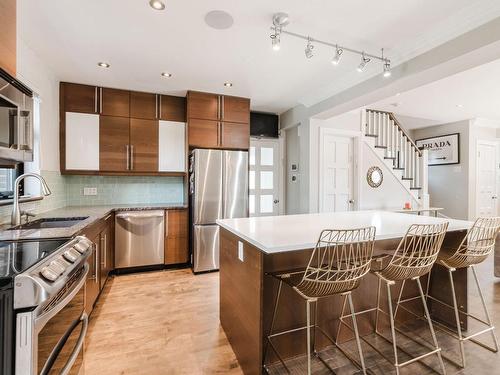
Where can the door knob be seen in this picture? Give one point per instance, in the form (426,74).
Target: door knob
(276,201)
(351,201)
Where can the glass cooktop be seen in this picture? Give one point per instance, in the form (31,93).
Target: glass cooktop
(17,257)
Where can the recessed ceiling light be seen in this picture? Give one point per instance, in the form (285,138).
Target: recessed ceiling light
(219,19)
(228,84)
(103,65)
(157,4)
(460,105)
(166,74)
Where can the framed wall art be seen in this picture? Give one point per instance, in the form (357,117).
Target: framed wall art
(443,150)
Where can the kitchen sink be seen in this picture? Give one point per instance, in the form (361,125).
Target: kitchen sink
(50,222)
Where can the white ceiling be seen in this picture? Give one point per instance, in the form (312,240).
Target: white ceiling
(474,93)
(139,43)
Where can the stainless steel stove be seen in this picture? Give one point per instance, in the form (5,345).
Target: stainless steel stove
(42,287)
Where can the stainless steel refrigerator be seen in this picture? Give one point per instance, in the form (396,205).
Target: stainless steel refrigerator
(218,185)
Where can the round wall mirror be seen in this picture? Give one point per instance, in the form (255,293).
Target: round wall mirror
(374,177)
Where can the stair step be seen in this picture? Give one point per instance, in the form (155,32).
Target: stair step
(407,178)
(371,135)
(390,157)
(398,169)
(415,188)
(380,146)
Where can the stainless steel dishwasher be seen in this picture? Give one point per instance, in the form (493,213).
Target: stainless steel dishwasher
(139,238)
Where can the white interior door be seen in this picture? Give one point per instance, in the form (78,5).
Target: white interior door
(336,173)
(264,177)
(486,188)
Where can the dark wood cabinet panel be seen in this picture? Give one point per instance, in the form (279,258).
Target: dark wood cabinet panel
(143,105)
(144,145)
(203,106)
(80,98)
(176,240)
(115,102)
(172,108)
(203,133)
(107,251)
(114,139)
(92,287)
(235,135)
(235,109)
(8,36)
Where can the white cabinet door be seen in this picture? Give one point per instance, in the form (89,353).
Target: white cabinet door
(82,141)
(172,147)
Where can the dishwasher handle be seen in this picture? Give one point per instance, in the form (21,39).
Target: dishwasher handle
(130,215)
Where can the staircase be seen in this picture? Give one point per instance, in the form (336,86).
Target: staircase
(391,143)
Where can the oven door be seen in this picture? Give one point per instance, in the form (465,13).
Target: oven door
(57,335)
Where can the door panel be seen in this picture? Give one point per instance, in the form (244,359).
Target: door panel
(144,145)
(236,109)
(207,205)
(172,146)
(172,108)
(203,133)
(487,198)
(82,141)
(143,105)
(203,106)
(235,135)
(114,138)
(80,98)
(206,248)
(115,102)
(235,184)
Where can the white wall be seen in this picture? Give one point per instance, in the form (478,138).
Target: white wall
(292,188)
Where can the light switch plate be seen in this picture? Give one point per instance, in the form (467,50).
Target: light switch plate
(241,256)
(89,191)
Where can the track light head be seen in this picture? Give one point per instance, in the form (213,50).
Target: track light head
(275,41)
(387,69)
(364,60)
(309,49)
(337,56)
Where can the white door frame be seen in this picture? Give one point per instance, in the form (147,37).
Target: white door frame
(280,143)
(497,159)
(356,137)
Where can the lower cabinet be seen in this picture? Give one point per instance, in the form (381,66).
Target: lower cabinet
(92,284)
(107,250)
(176,236)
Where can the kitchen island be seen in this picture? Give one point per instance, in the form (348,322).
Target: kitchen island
(250,248)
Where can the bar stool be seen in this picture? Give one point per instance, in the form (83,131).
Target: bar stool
(476,246)
(414,257)
(338,262)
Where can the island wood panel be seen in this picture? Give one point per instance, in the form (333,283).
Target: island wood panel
(114,139)
(144,145)
(292,310)
(176,236)
(8,36)
(241,301)
(115,102)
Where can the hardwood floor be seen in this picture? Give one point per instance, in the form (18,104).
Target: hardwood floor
(167,322)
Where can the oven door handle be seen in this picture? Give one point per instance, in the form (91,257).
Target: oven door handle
(84,319)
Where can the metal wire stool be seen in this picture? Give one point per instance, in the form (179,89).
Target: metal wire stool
(340,259)
(413,258)
(476,246)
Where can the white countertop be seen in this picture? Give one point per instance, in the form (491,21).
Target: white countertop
(275,234)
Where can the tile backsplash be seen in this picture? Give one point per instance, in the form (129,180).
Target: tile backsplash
(69,191)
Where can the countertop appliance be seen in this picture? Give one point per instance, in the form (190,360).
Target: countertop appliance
(16,120)
(42,301)
(219,190)
(139,238)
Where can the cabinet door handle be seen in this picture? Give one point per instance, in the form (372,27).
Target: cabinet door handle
(100,99)
(131,157)
(159,98)
(156,105)
(222,108)
(103,251)
(95,261)
(95,99)
(128,156)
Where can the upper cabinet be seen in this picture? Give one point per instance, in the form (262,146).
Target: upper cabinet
(217,121)
(120,132)
(143,105)
(115,102)
(8,36)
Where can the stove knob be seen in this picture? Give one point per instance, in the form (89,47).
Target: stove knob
(71,255)
(58,266)
(49,274)
(81,247)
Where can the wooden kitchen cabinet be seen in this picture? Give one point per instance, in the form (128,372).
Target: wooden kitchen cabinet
(143,145)
(115,102)
(92,284)
(235,109)
(8,36)
(203,133)
(114,143)
(176,236)
(81,137)
(80,98)
(143,105)
(203,106)
(172,146)
(172,108)
(235,135)
(106,250)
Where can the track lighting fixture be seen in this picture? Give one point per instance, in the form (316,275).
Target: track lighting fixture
(280,20)
(337,56)
(309,49)
(364,60)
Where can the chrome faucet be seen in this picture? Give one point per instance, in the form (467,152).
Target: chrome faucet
(16,213)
